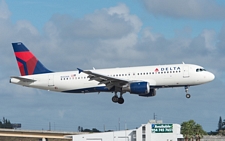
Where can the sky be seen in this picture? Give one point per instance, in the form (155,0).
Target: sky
(65,35)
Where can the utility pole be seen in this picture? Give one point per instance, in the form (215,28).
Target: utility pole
(49,126)
(119,124)
(154,116)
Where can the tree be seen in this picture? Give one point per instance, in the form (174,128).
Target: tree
(93,130)
(80,129)
(187,129)
(223,125)
(191,131)
(199,132)
(6,124)
(220,124)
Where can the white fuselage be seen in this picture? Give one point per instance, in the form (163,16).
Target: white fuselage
(175,75)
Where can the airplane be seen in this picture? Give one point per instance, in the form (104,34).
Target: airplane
(142,80)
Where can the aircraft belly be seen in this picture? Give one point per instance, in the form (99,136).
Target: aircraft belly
(77,86)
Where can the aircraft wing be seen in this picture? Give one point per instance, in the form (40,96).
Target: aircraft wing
(110,82)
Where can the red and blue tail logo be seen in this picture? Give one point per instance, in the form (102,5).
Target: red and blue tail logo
(27,62)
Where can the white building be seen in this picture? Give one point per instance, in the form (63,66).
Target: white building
(152,131)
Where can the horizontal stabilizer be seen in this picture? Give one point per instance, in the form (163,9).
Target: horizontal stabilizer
(22,79)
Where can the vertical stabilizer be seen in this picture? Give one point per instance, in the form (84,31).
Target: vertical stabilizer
(28,64)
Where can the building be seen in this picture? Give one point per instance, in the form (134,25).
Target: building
(152,131)
(32,135)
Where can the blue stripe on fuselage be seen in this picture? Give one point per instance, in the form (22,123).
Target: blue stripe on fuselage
(90,90)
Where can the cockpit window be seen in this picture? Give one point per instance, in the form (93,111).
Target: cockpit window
(200,69)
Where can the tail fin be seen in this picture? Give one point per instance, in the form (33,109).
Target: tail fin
(28,64)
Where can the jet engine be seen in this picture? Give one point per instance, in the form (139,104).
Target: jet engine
(151,93)
(141,88)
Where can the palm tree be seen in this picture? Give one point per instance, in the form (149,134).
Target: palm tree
(199,132)
(186,130)
(191,131)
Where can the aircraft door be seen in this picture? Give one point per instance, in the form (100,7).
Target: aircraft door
(185,71)
(51,80)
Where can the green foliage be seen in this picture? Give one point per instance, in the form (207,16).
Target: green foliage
(6,124)
(93,130)
(220,124)
(191,130)
(221,127)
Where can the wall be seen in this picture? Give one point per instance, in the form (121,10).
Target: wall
(3,138)
(125,135)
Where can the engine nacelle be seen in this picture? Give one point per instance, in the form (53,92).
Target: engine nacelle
(151,93)
(140,88)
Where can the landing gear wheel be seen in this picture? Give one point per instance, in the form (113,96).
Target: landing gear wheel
(188,95)
(120,100)
(186,90)
(115,99)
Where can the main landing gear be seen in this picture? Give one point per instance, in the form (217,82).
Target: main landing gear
(117,99)
(186,90)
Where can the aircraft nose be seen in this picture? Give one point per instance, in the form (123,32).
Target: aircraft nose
(210,76)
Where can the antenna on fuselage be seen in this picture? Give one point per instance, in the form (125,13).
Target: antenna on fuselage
(183,63)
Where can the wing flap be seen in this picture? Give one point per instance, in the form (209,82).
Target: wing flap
(109,81)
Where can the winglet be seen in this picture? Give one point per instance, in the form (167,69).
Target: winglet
(80,70)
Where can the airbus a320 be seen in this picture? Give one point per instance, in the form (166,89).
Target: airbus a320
(142,80)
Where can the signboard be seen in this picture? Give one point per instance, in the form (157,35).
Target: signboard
(162,128)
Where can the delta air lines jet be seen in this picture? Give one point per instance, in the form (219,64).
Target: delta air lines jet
(142,81)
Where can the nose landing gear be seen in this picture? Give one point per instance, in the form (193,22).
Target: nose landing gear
(186,90)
